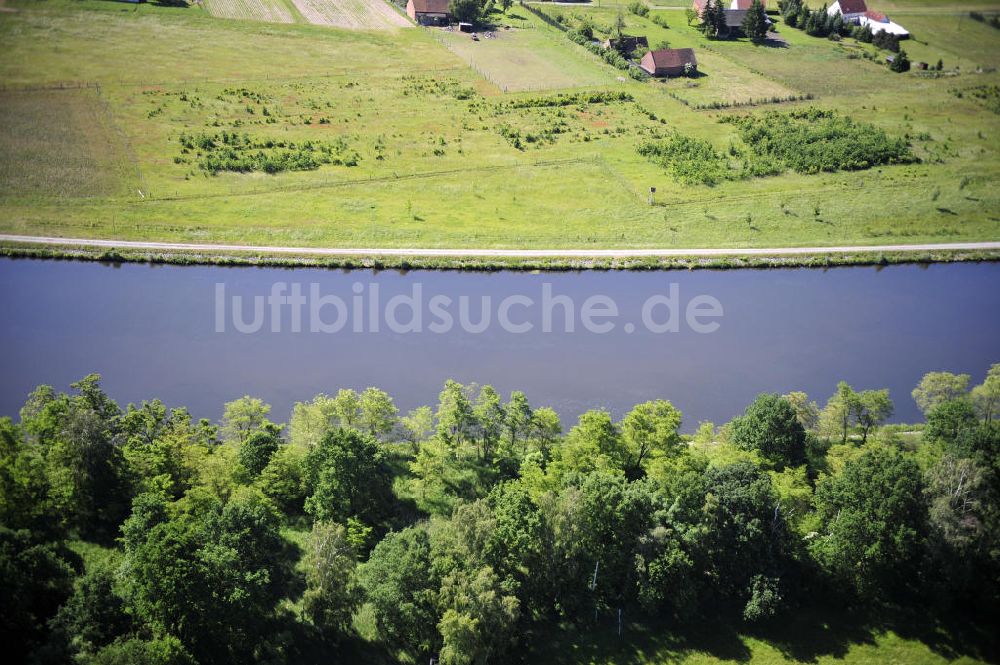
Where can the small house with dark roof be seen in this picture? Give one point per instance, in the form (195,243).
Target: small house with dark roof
(669,62)
(428,12)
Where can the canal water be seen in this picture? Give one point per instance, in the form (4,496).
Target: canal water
(709,341)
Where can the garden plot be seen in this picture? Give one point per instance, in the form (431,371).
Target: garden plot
(529,59)
(352,14)
(272,11)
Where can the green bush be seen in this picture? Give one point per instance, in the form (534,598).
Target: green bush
(239,153)
(689,160)
(638,8)
(814,140)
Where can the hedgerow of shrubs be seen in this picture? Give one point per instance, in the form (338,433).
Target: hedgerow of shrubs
(814,140)
(229,151)
(610,56)
(993,20)
(570,99)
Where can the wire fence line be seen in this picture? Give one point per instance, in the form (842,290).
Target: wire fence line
(123,83)
(373,179)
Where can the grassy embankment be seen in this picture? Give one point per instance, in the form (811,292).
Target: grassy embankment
(443,157)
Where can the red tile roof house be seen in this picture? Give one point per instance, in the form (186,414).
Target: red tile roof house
(668,62)
(428,12)
(851,10)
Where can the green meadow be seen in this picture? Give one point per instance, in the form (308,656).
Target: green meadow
(116,117)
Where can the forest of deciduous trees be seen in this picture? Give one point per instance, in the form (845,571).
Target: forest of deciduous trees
(140,535)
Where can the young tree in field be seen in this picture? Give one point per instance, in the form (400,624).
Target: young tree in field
(870,409)
(936,388)
(650,427)
(986,396)
(332,594)
(505,5)
(243,417)
(771,427)
(900,63)
(690,15)
(619,25)
(755,23)
(377,412)
(873,522)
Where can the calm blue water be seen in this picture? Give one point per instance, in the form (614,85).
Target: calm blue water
(150,331)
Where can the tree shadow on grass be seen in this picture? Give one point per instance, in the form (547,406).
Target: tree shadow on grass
(809,633)
(814,632)
(804,635)
(952,635)
(640,643)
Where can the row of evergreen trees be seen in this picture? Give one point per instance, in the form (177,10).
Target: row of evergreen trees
(754,26)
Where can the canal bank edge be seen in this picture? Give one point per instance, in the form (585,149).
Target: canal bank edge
(485,260)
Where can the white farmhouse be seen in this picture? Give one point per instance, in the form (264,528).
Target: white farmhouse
(851,10)
(857,12)
(878,22)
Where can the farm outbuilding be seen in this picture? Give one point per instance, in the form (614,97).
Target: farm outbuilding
(428,12)
(626,44)
(669,62)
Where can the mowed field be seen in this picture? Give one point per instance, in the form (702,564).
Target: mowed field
(60,144)
(272,11)
(424,138)
(352,14)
